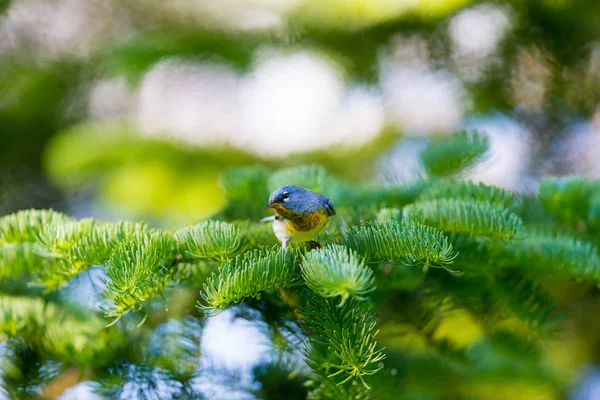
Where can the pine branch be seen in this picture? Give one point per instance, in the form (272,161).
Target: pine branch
(552,254)
(24,226)
(347,332)
(337,271)
(247,276)
(78,337)
(453,154)
(407,242)
(465,217)
(138,269)
(469,191)
(210,240)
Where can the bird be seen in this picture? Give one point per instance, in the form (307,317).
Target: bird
(300,214)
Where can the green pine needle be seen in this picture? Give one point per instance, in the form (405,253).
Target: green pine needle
(24,226)
(465,217)
(468,191)
(453,154)
(409,243)
(138,269)
(347,332)
(210,240)
(337,271)
(247,276)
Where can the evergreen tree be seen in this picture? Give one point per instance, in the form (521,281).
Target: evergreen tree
(442,289)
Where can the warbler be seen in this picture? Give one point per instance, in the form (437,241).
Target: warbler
(300,214)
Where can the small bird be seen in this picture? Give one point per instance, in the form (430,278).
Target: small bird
(300,214)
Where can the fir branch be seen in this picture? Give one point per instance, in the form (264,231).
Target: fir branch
(247,276)
(210,240)
(256,234)
(347,332)
(24,226)
(68,335)
(557,254)
(389,214)
(138,269)
(461,190)
(20,258)
(465,217)
(337,271)
(568,200)
(453,154)
(527,301)
(313,177)
(246,184)
(407,242)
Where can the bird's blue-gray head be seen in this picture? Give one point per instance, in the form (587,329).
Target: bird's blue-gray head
(299,200)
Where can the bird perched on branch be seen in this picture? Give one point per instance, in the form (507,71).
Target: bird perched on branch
(300,214)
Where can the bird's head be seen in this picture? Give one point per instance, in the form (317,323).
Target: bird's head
(298,200)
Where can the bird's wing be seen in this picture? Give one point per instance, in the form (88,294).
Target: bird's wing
(329,208)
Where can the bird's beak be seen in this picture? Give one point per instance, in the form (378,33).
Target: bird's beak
(268,206)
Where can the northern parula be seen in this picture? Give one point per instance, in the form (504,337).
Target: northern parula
(300,213)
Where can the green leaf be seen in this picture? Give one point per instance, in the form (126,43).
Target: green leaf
(210,240)
(409,243)
(347,332)
(468,191)
(465,217)
(247,276)
(24,226)
(337,271)
(452,154)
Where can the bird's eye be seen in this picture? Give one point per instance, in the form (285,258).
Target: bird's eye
(285,195)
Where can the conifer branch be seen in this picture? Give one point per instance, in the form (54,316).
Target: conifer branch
(468,191)
(337,271)
(569,200)
(210,240)
(24,226)
(138,270)
(246,184)
(313,177)
(78,337)
(20,258)
(552,254)
(465,217)
(347,332)
(409,243)
(247,276)
(453,154)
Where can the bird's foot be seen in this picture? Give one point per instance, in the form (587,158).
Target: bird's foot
(314,245)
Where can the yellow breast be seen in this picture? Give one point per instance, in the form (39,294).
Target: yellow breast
(301,228)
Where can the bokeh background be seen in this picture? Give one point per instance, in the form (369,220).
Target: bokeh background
(132,109)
